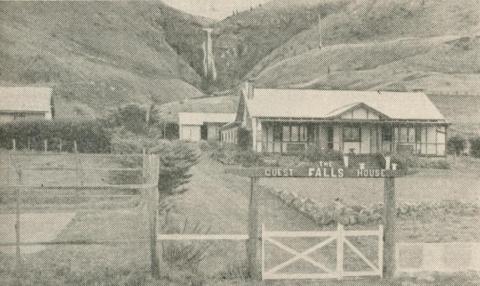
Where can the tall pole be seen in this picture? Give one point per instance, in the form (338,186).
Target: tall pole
(390,213)
(253,232)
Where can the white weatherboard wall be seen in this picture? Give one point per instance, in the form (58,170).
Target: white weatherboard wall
(191,133)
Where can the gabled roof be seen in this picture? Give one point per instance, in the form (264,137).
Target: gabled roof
(33,99)
(188,118)
(349,107)
(325,104)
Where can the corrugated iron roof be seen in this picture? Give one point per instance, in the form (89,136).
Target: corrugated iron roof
(188,118)
(298,103)
(36,99)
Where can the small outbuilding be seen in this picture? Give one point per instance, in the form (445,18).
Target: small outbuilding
(194,127)
(361,122)
(25,103)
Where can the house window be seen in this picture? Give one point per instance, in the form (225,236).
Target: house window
(352,134)
(17,116)
(387,133)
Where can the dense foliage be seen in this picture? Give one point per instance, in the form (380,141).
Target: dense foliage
(475,147)
(176,159)
(456,144)
(244,138)
(132,118)
(91,136)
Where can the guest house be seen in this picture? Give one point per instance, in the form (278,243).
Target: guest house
(361,122)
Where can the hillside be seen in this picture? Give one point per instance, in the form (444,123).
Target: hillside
(98,54)
(366,31)
(244,39)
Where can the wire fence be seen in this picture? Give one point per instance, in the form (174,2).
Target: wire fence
(65,211)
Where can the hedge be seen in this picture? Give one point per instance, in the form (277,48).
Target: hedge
(91,136)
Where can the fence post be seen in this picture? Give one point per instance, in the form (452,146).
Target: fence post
(380,250)
(75,147)
(340,250)
(263,250)
(17,227)
(252,246)
(14,145)
(389,232)
(154,162)
(45,145)
(60,145)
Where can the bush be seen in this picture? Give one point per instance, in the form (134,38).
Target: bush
(133,118)
(185,255)
(456,145)
(91,136)
(248,158)
(314,153)
(475,147)
(411,161)
(244,138)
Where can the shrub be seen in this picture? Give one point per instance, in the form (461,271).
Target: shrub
(244,138)
(91,136)
(185,255)
(411,161)
(248,158)
(133,118)
(314,153)
(176,159)
(475,147)
(456,144)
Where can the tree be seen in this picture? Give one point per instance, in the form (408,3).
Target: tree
(456,144)
(176,160)
(133,118)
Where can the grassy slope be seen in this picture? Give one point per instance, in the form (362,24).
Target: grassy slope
(95,53)
(245,39)
(373,20)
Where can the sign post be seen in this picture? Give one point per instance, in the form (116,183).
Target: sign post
(322,170)
(390,212)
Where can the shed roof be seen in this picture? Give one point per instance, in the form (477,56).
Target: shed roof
(324,104)
(34,99)
(188,118)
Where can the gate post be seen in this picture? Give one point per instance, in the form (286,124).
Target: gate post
(340,251)
(390,213)
(253,232)
(153,197)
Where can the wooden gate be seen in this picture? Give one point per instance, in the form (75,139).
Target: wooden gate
(339,243)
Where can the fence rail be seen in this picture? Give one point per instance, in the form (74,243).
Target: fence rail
(148,187)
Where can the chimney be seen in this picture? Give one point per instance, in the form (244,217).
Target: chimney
(249,88)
